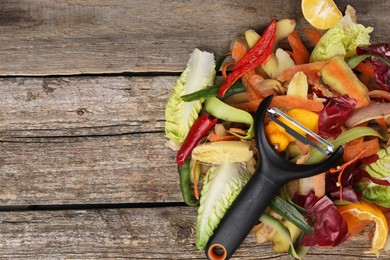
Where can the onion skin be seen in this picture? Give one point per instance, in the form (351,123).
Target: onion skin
(369,112)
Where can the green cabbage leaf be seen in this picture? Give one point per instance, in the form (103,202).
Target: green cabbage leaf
(180,115)
(379,194)
(222,184)
(343,38)
(381,168)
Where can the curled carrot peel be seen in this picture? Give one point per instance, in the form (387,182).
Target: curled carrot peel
(236,130)
(340,169)
(382,122)
(213,137)
(253,58)
(185,183)
(250,80)
(299,52)
(239,49)
(312,35)
(366,68)
(361,150)
(194,172)
(225,67)
(286,102)
(307,68)
(358,140)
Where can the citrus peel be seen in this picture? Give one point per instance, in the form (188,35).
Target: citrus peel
(366,212)
(321,14)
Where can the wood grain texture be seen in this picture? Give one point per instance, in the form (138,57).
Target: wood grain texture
(85,140)
(98,139)
(44,37)
(80,106)
(135,168)
(136,233)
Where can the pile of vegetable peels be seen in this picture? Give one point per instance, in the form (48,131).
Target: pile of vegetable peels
(340,90)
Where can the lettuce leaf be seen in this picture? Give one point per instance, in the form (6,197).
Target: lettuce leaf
(342,39)
(375,192)
(381,168)
(180,115)
(222,184)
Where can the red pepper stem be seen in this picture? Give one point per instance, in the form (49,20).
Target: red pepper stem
(198,130)
(258,54)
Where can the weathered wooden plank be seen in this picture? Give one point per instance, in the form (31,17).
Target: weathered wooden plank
(77,140)
(135,168)
(136,233)
(79,106)
(44,37)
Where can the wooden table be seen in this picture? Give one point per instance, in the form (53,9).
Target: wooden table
(84,170)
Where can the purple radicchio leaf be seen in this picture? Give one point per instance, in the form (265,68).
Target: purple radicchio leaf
(330,228)
(381,69)
(334,114)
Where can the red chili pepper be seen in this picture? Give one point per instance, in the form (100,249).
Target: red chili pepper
(198,130)
(253,58)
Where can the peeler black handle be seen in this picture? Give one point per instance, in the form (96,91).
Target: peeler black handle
(272,173)
(242,216)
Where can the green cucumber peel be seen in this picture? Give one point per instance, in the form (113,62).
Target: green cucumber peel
(185,181)
(279,227)
(347,136)
(354,61)
(220,60)
(212,91)
(288,199)
(221,110)
(300,251)
(290,213)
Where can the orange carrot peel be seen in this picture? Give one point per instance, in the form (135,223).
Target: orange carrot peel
(312,35)
(213,137)
(299,52)
(225,67)
(310,70)
(354,152)
(286,102)
(194,172)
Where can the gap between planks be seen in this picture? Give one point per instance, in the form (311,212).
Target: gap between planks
(57,207)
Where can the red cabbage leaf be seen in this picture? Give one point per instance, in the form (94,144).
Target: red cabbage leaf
(330,229)
(350,176)
(381,69)
(334,114)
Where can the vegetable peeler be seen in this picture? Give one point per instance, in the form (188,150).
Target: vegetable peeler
(271,174)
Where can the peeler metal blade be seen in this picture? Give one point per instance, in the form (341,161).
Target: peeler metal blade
(274,113)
